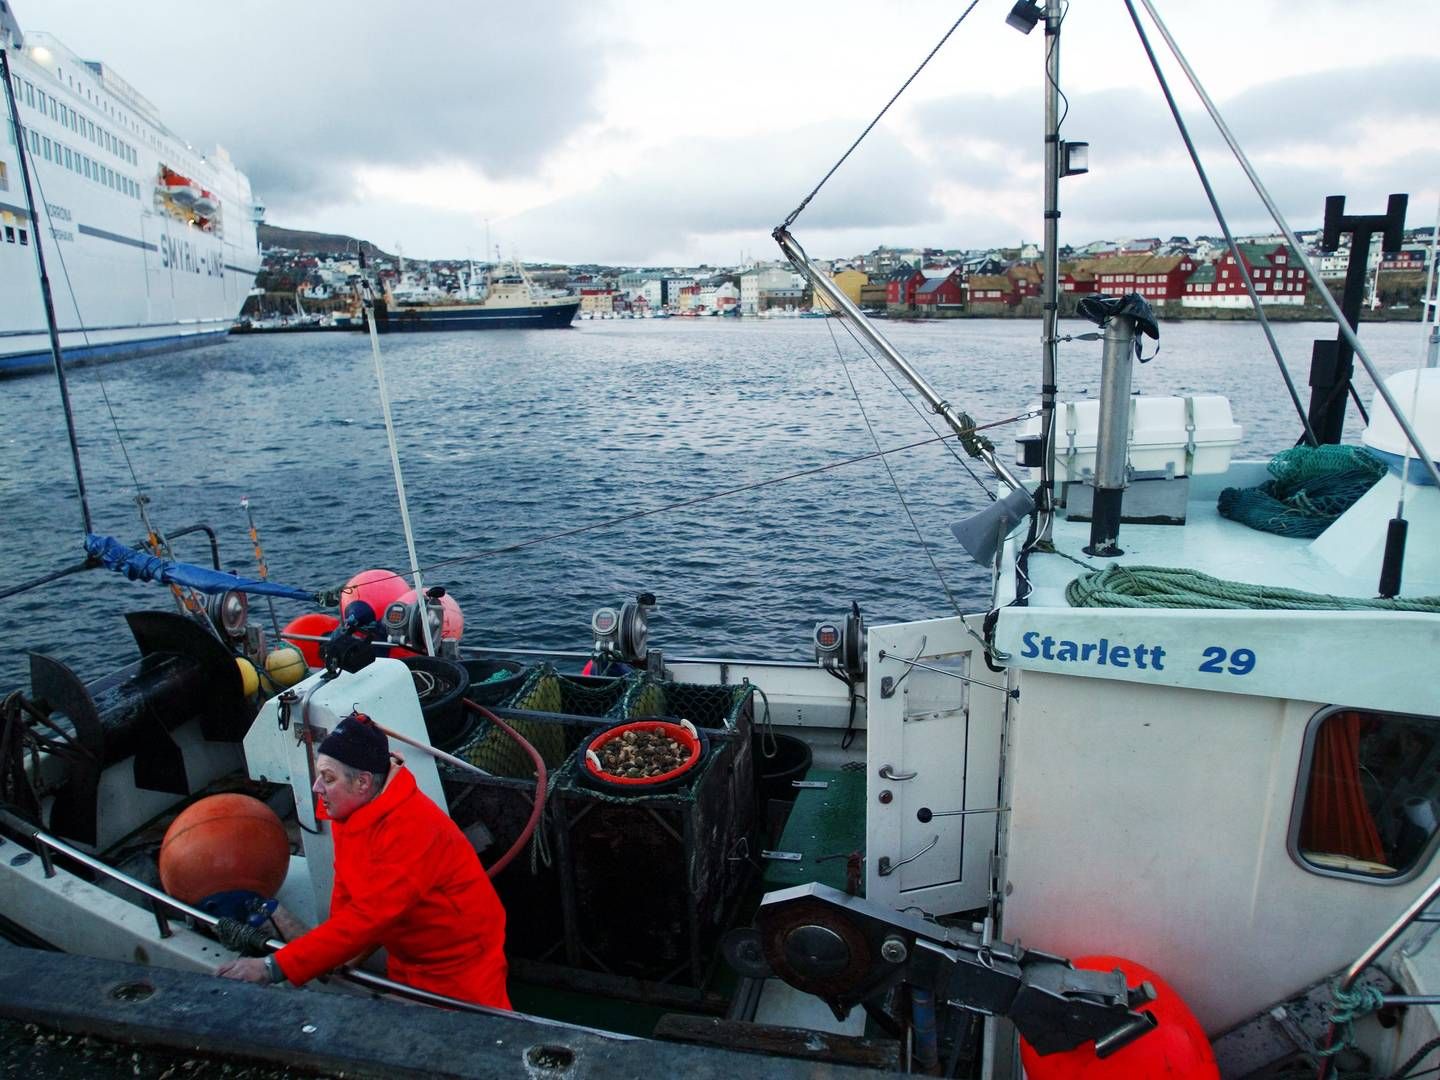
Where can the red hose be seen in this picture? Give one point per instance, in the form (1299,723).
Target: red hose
(539,807)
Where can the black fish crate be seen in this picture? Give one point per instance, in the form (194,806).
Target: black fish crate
(502,802)
(654,879)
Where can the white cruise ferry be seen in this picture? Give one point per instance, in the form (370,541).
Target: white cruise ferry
(149,244)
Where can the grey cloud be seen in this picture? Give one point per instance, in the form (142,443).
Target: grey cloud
(741,185)
(1328,108)
(300,93)
(1334,107)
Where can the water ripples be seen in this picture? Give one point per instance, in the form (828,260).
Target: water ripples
(507,437)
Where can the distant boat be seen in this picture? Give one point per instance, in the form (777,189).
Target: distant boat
(505,299)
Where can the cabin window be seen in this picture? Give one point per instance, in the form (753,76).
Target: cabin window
(24,237)
(1369,794)
(9,234)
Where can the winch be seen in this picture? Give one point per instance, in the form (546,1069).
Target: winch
(621,639)
(402,621)
(851,951)
(840,646)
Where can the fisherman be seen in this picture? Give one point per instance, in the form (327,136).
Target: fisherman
(405,878)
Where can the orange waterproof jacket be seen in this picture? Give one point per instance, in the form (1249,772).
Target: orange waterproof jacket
(406,878)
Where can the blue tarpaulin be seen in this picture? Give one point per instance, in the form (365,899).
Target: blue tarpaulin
(142,566)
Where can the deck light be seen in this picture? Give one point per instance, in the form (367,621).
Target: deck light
(1074,158)
(1024,15)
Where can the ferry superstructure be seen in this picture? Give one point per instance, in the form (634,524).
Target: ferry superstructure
(150,245)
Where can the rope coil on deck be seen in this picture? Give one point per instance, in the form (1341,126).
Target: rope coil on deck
(1177,587)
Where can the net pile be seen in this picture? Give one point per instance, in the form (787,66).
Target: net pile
(1312,486)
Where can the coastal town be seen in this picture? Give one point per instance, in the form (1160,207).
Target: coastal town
(309,277)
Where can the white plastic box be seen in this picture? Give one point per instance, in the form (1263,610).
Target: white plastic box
(1182,436)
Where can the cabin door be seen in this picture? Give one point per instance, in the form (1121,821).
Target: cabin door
(933,746)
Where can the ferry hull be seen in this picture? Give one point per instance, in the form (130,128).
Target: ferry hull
(131,273)
(539,317)
(77,355)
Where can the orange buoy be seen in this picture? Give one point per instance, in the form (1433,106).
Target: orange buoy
(224,843)
(1177,1048)
(317,624)
(378,588)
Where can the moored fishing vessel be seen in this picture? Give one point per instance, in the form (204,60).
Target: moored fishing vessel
(157,243)
(502,298)
(1229,786)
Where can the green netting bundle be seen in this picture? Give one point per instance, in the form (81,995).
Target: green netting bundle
(1312,486)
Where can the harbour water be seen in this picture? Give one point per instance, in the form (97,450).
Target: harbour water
(513,439)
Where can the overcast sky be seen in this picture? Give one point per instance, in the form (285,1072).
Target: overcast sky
(658,133)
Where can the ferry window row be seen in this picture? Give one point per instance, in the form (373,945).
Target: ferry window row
(82,164)
(49,105)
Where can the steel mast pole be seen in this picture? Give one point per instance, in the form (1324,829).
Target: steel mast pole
(35,230)
(1045,494)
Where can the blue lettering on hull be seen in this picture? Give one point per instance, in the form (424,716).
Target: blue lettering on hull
(1146,656)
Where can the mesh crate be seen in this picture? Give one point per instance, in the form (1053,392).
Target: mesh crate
(532,894)
(544,694)
(654,879)
(730,708)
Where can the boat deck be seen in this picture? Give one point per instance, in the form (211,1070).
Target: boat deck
(1225,549)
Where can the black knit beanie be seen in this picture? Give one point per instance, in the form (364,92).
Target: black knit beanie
(357,742)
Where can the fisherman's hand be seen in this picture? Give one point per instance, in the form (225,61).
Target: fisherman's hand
(246,969)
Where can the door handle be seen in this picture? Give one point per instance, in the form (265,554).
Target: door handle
(887,772)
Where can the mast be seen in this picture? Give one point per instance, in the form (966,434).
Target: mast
(1045,493)
(45,296)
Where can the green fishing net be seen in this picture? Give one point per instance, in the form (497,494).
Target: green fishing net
(1311,486)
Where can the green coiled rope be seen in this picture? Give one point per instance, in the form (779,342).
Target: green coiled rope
(1176,587)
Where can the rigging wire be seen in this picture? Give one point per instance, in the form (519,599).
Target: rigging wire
(25,157)
(889,376)
(1230,242)
(1052,41)
(1345,329)
(891,473)
(806,201)
(623,519)
(99,378)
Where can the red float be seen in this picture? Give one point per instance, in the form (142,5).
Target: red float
(316,624)
(378,588)
(1176,1048)
(223,843)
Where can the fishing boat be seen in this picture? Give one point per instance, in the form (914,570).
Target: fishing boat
(501,298)
(158,242)
(1167,806)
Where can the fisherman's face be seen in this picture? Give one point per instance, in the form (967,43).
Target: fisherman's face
(341,794)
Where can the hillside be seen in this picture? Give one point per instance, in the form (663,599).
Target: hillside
(314,243)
